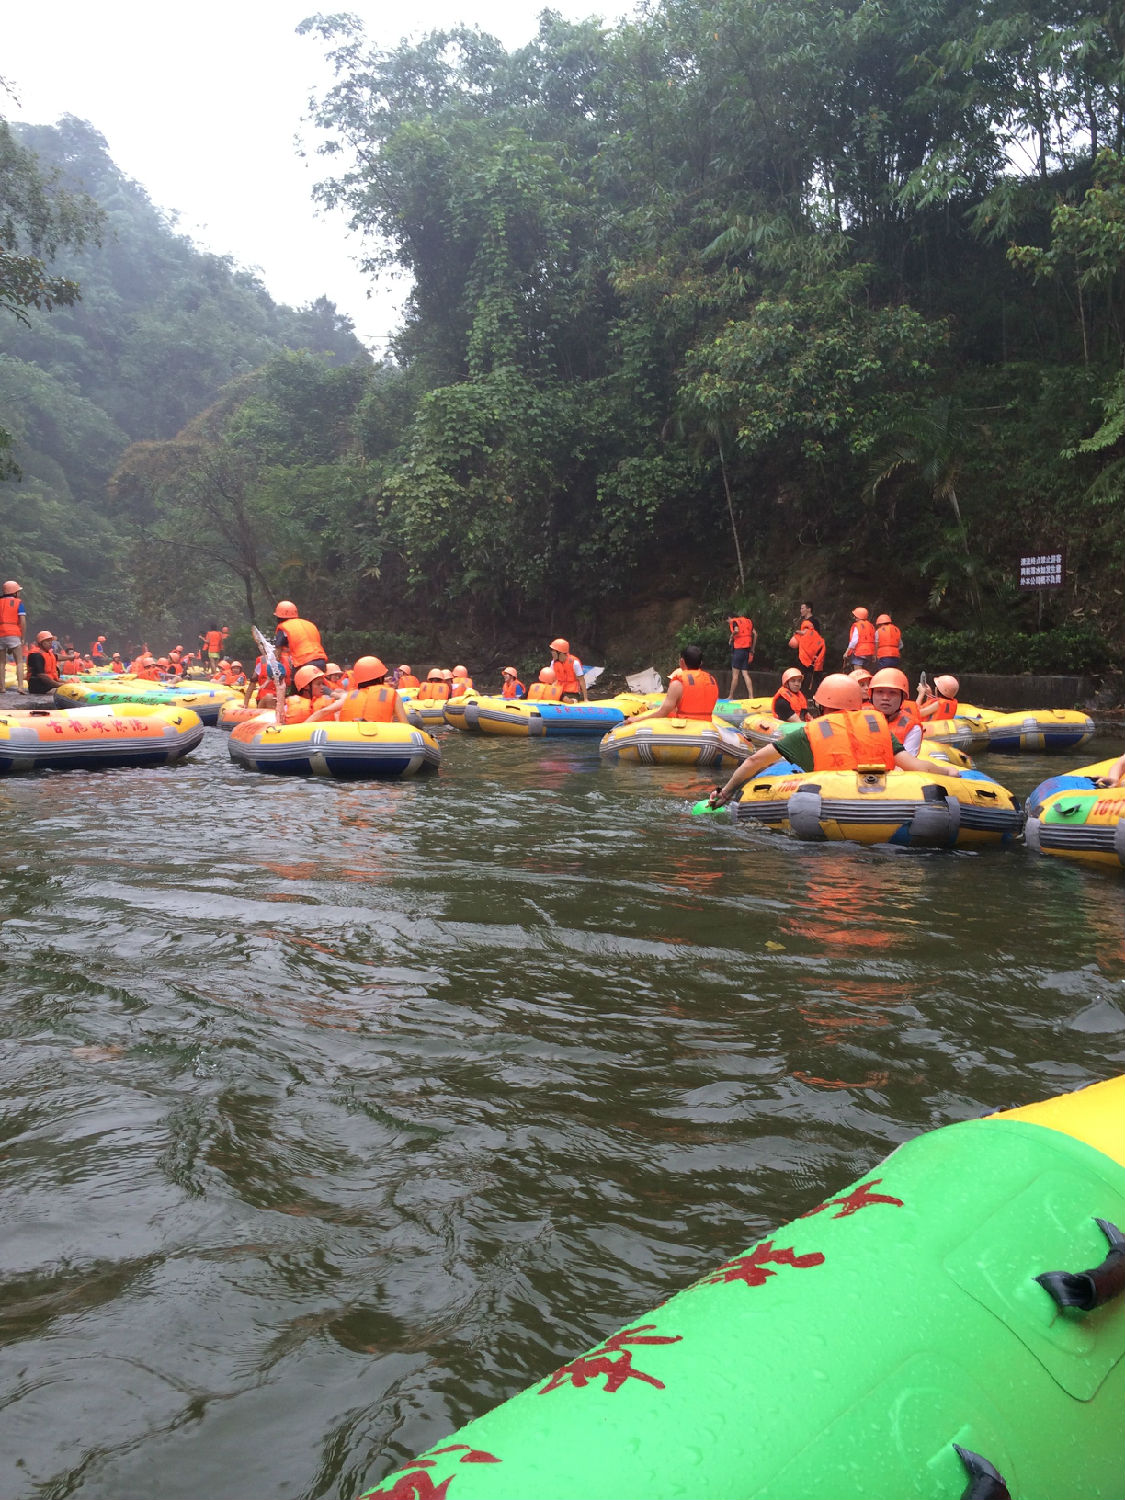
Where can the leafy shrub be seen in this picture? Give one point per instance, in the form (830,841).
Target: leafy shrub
(1078,648)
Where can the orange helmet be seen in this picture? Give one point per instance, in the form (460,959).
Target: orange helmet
(508,672)
(434,674)
(446,675)
(947,686)
(367,669)
(460,672)
(331,670)
(859,614)
(884,620)
(891,677)
(558,644)
(237,664)
(789,674)
(44,635)
(860,675)
(305,675)
(404,666)
(161,661)
(12,587)
(547,674)
(838,692)
(285,609)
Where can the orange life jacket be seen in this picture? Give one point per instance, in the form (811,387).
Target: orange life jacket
(408,679)
(117,666)
(566,678)
(846,741)
(50,661)
(11,620)
(71,668)
(431,690)
(809,645)
(888,641)
(374,705)
(545,690)
(304,640)
(147,674)
(213,641)
(796,701)
(741,631)
(905,720)
(699,695)
(514,688)
(298,708)
(864,639)
(461,686)
(97,650)
(946,709)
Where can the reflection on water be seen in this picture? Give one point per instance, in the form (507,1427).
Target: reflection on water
(333,1114)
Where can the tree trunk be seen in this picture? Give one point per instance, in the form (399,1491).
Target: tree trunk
(730,512)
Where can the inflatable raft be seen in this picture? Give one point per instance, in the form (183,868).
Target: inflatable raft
(1070,818)
(234,711)
(675,742)
(952,1324)
(733,711)
(911,808)
(206,699)
(539,719)
(347,752)
(1042,730)
(88,739)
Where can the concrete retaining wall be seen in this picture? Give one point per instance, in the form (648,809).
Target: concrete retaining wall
(989,690)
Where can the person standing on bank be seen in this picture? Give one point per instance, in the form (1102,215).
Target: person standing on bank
(743,644)
(13,623)
(810,647)
(888,643)
(860,650)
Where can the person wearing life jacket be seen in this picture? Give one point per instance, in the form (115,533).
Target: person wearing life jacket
(692,692)
(97,651)
(309,697)
(461,683)
(942,704)
(334,677)
(434,689)
(13,623)
(211,640)
(115,662)
(789,702)
(847,737)
(863,677)
(890,695)
(888,643)
(145,668)
(42,665)
(71,665)
(261,686)
(546,689)
(513,687)
(406,678)
(743,644)
(810,647)
(237,675)
(860,651)
(297,642)
(569,677)
(371,701)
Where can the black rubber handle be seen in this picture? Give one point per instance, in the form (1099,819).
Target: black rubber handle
(1086,1290)
(985,1480)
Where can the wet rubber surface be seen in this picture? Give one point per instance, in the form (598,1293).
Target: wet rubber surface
(330,1115)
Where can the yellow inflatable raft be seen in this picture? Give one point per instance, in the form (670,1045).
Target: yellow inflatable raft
(1050,730)
(540,718)
(882,807)
(348,752)
(1069,817)
(206,699)
(88,739)
(675,742)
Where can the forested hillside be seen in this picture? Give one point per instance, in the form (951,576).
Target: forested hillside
(158,330)
(740,302)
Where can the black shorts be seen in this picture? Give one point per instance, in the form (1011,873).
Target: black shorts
(740,658)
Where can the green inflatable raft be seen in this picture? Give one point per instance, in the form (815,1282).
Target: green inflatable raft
(951,1325)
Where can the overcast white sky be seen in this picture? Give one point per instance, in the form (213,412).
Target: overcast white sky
(202,103)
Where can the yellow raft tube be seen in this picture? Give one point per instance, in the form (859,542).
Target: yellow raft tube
(89,739)
(882,807)
(675,742)
(347,752)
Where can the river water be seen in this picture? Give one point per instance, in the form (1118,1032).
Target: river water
(332,1114)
